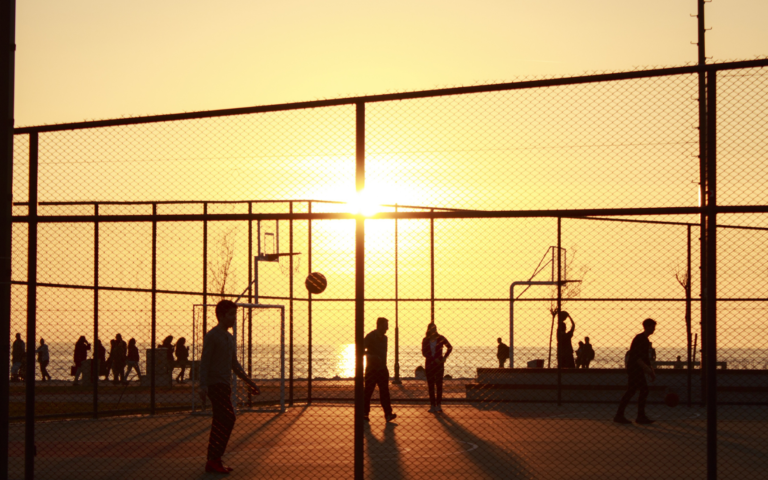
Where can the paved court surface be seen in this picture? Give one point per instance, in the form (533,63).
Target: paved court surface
(507,441)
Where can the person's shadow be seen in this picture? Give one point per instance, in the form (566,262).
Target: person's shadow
(382,454)
(494,461)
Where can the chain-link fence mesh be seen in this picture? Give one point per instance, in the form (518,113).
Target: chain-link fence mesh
(142,228)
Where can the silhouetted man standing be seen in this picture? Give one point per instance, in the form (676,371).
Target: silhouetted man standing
(217,363)
(376,372)
(18,352)
(638,364)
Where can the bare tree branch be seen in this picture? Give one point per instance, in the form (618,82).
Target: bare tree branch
(220,271)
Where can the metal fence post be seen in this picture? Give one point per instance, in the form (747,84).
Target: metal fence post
(309,309)
(95,359)
(702,184)
(29,372)
(154,313)
(397,380)
(710,297)
(359,438)
(205,270)
(688,316)
(250,300)
(7,56)
(432,266)
(559,307)
(290,294)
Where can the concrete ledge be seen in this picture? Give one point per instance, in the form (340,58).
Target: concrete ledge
(747,387)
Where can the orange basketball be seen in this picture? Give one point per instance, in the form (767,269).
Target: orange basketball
(316,283)
(672,399)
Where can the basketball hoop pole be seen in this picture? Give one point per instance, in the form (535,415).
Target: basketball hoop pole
(512,311)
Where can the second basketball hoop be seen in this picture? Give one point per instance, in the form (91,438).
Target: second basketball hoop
(316,283)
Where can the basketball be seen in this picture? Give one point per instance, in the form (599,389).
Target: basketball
(316,283)
(672,399)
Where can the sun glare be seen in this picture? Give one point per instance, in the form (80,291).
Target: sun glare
(371,200)
(365,203)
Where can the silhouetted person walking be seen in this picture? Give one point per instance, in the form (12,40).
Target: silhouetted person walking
(43,357)
(564,338)
(432,349)
(132,359)
(18,352)
(502,353)
(638,364)
(217,363)
(376,372)
(182,354)
(119,354)
(81,354)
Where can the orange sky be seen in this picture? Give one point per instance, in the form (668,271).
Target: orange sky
(92,59)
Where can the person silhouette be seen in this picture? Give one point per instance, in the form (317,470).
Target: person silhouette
(502,353)
(638,364)
(118,355)
(376,372)
(589,353)
(169,347)
(43,357)
(100,353)
(678,363)
(182,354)
(81,354)
(564,347)
(580,354)
(432,349)
(18,354)
(132,360)
(218,361)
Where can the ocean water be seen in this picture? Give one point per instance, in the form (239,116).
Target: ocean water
(338,361)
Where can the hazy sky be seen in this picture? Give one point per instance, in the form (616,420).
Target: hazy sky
(89,59)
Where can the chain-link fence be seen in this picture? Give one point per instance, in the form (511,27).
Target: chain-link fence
(514,236)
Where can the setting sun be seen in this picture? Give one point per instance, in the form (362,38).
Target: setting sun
(376,199)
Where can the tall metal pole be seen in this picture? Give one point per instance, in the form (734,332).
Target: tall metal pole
(95,360)
(290,289)
(432,265)
(250,300)
(309,309)
(359,439)
(397,380)
(702,59)
(710,290)
(688,319)
(29,373)
(7,59)
(205,273)
(559,307)
(154,314)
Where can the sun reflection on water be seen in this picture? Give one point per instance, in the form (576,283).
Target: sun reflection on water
(345,367)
